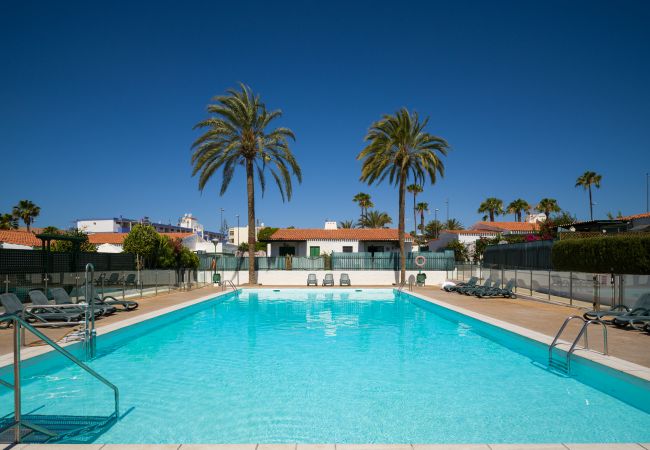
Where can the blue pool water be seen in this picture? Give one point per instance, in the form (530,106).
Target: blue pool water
(333,366)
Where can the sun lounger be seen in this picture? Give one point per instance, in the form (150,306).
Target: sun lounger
(328,280)
(471,290)
(107,300)
(13,305)
(345,280)
(495,291)
(311,279)
(637,319)
(61,297)
(471,282)
(113,279)
(130,280)
(38,298)
(619,310)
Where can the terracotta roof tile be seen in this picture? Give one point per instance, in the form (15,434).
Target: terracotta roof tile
(19,237)
(470,232)
(635,216)
(348,234)
(506,226)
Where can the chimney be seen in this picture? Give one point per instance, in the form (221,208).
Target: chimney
(331,225)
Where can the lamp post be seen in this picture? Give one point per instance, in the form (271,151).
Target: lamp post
(435,212)
(221,224)
(215,241)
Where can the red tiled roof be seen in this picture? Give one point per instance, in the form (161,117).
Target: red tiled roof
(118,238)
(19,237)
(470,232)
(506,226)
(342,234)
(635,216)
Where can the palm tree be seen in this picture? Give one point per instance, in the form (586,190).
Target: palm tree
(376,219)
(347,224)
(493,206)
(399,148)
(422,207)
(8,222)
(453,224)
(364,202)
(586,180)
(237,136)
(27,211)
(414,189)
(517,207)
(547,206)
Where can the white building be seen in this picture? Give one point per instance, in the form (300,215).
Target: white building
(191,222)
(186,224)
(316,241)
(237,235)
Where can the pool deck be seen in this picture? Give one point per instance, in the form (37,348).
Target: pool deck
(530,317)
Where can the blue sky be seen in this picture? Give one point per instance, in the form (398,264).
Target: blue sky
(98,100)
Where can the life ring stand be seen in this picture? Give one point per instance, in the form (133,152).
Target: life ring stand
(420,261)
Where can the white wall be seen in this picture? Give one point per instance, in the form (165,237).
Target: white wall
(357,277)
(331,245)
(97,226)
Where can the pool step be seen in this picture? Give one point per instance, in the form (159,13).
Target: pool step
(63,426)
(558,365)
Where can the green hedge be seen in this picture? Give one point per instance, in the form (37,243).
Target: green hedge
(622,253)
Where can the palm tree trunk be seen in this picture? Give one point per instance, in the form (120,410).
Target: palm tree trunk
(250,188)
(400,227)
(415,222)
(491,215)
(591,205)
(422,222)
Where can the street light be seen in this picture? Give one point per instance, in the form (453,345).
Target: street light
(221,223)
(435,211)
(215,241)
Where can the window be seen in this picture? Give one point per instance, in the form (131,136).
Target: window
(314,251)
(347,249)
(286,250)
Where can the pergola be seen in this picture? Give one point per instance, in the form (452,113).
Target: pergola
(46,240)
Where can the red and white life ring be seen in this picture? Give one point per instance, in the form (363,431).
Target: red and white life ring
(420,261)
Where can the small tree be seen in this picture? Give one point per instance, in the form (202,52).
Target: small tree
(143,241)
(461,253)
(67,246)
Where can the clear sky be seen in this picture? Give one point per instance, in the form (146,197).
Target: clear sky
(98,100)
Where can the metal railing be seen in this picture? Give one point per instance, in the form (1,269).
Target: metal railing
(574,344)
(18,422)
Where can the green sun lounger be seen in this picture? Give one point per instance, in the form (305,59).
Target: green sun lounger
(38,298)
(620,310)
(637,319)
(61,297)
(328,280)
(345,280)
(495,291)
(311,279)
(109,301)
(472,290)
(13,306)
(471,282)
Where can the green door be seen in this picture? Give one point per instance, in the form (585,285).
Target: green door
(314,251)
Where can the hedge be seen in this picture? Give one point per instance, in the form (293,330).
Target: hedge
(621,253)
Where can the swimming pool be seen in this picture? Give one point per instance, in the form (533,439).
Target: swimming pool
(346,366)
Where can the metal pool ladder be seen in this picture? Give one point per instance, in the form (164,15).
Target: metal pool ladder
(19,423)
(231,284)
(566,365)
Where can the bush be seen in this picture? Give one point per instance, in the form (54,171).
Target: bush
(621,254)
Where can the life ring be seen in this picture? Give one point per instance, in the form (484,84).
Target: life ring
(420,261)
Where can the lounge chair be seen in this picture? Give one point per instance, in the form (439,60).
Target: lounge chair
(495,291)
(345,280)
(311,279)
(130,280)
(113,279)
(480,290)
(107,300)
(471,290)
(420,279)
(38,298)
(452,288)
(619,310)
(13,306)
(101,277)
(61,297)
(637,319)
(328,280)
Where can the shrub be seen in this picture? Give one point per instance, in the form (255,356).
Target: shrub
(621,254)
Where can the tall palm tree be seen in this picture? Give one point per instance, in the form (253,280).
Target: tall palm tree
(547,206)
(364,202)
(414,189)
(399,148)
(517,207)
(236,135)
(376,219)
(422,207)
(346,224)
(453,224)
(27,211)
(8,222)
(493,206)
(586,180)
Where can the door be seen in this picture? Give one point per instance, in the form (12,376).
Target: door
(314,251)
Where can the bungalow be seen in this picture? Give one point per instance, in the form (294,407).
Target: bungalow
(481,230)
(113,242)
(316,241)
(19,239)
